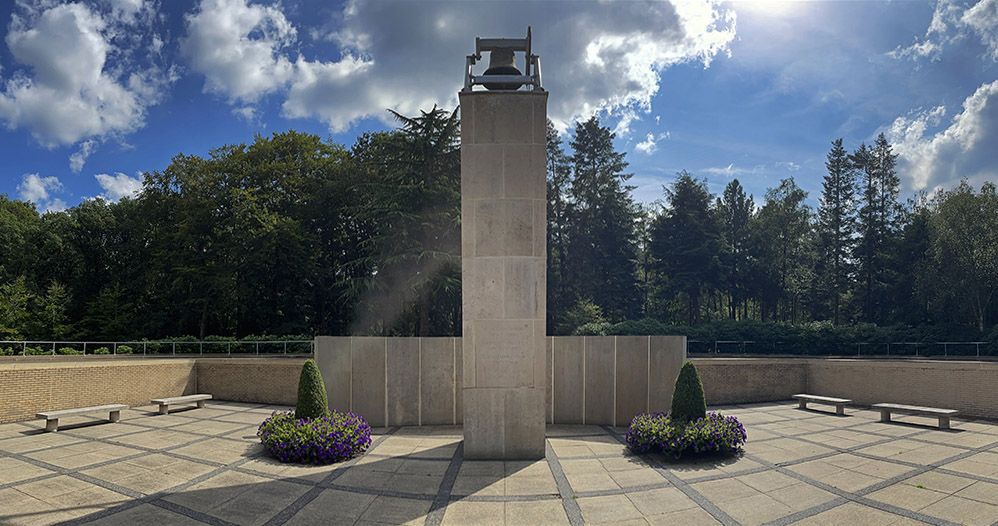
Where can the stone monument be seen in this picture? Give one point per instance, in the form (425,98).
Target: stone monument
(503,252)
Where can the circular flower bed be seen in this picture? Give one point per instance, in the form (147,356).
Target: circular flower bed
(657,433)
(322,440)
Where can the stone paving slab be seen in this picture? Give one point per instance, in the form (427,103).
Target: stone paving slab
(205,466)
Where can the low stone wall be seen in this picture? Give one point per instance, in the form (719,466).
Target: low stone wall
(743,380)
(27,388)
(413,381)
(970,387)
(264,380)
(593,379)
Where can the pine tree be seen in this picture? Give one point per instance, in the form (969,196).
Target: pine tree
(559,173)
(880,220)
(602,245)
(735,210)
(685,243)
(836,229)
(782,246)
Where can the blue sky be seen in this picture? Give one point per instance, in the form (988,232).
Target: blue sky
(94,93)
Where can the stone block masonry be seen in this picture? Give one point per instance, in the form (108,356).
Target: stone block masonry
(504,273)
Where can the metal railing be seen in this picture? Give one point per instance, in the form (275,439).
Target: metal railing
(856,349)
(158,348)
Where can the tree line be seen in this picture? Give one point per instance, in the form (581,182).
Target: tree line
(291,234)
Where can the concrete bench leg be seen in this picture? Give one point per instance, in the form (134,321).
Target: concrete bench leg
(801,404)
(114,416)
(52,425)
(200,404)
(943,422)
(164,409)
(885,415)
(840,409)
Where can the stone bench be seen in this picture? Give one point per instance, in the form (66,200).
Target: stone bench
(839,403)
(165,403)
(942,414)
(52,417)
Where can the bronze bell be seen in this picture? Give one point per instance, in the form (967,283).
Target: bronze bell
(501,62)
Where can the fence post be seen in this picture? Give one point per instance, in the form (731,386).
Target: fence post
(53,348)
(144,348)
(945,349)
(114,348)
(201,348)
(228,347)
(174,348)
(258,348)
(84,348)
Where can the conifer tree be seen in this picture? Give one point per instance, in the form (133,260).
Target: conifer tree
(836,229)
(735,210)
(602,245)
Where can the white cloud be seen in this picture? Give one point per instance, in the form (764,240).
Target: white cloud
(119,185)
(79,158)
(239,48)
(983,19)
(650,144)
(953,21)
(965,149)
(597,57)
(40,191)
(77,82)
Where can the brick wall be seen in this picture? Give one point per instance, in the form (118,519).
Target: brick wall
(970,387)
(265,380)
(27,388)
(743,380)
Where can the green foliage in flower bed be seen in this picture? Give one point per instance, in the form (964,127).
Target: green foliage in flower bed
(688,403)
(102,350)
(67,351)
(311,393)
(123,349)
(332,438)
(657,433)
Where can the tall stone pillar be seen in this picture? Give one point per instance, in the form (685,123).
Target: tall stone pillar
(504,272)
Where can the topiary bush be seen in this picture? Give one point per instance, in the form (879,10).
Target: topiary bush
(123,349)
(330,438)
(67,351)
(658,433)
(688,403)
(102,350)
(36,351)
(311,393)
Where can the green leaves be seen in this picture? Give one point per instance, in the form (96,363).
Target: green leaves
(688,403)
(311,393)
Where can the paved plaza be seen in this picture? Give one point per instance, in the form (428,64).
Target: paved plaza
(205,466)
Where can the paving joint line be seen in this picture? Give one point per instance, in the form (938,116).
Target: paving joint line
(572,509)
(437,509)
(694,495)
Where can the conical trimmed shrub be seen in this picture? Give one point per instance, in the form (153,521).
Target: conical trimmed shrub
(688,403)
(311,393)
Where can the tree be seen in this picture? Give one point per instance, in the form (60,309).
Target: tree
(15,299)
(51,317)
(602,246)
(410,199)
(965,251)
(559,177)
(782,246)
(880,219)
(685,241)
(735,210)
(836,229)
